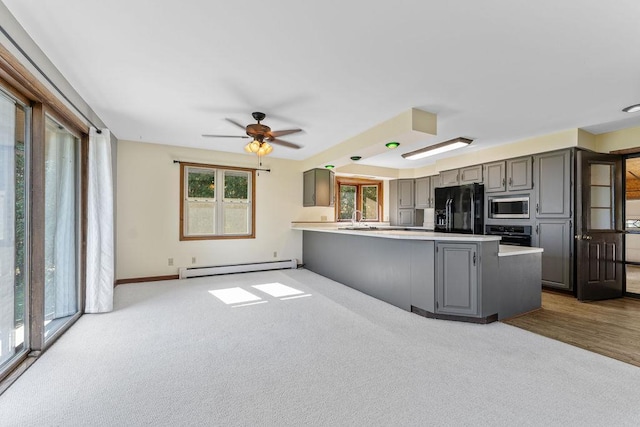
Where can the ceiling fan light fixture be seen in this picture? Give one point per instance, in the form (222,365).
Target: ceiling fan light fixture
(247,148)
(255,146)
(442,147)
(632,108)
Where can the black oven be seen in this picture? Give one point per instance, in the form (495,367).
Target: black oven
(516,235)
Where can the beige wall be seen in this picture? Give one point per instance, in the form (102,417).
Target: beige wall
(619,140)
(148,212)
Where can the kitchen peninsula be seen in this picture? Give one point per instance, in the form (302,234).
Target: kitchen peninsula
(442,275)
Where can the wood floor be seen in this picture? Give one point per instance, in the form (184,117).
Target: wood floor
(611,327)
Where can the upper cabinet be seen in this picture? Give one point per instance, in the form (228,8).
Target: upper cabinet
(471,174)
(425,191)
(466,175)
(449,178)
(519,174)
(509,175)
(401,202)
(405,194)
(318,188)
(552,177)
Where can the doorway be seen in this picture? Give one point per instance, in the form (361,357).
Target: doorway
(632,224)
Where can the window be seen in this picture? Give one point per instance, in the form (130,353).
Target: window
(216,202)
(364,196)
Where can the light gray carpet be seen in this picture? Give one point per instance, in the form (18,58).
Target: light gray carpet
(173,354)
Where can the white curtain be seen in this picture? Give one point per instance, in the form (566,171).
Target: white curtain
(100,264)
(7,229)
(60,223)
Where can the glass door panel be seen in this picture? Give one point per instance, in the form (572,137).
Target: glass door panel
(632,225)
(61,226)
(13,245)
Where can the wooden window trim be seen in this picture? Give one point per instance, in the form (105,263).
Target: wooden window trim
(183,237)
(359,182)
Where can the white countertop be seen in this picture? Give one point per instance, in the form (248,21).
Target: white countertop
(510,250)
(394,234)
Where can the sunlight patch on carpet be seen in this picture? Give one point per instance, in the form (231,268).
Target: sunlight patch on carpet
(234,295)
(277,290)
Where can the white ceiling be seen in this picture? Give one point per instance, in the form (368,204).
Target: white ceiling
(496,71)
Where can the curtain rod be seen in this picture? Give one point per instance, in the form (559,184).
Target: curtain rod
(17,46)
(196,163)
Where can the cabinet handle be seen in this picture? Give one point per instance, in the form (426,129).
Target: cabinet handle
(537,208)
(537,229)
(510,181)
(474,258)
(503,182)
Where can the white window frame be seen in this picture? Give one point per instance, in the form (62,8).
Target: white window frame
(218,202)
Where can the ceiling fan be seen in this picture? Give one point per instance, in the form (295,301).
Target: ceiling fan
(261,134)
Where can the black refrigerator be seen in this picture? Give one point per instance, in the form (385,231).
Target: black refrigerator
(460,209)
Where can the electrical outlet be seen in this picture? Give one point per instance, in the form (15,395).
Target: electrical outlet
(193,260)
(275,254)
(170,261)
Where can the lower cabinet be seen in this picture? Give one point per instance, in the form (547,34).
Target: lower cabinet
(457,279)
(406,217)
(555,236)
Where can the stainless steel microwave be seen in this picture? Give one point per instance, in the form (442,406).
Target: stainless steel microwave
(509,207)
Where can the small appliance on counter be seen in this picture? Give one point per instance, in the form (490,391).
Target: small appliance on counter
(460,209)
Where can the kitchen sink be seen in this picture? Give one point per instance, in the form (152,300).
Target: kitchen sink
(359,228)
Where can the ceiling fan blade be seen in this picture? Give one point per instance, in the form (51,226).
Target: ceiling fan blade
(284,143)
(277,133)
(225,136)
(235,123)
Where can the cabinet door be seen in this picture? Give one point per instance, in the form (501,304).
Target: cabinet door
(432,191)
(406,217)
(519,174)
(318,188)
(422,192)
(471,174)
(555,236)
(405,193)
(449,178)
(494,177)
(457,278)
(552,179)
(309,192)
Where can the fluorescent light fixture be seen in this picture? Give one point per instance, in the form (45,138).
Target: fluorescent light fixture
(632,108)
(432,150)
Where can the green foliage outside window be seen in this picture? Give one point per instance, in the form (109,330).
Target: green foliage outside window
(202,184)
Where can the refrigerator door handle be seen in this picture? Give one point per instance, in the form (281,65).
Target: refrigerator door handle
(473,214)
(448,214)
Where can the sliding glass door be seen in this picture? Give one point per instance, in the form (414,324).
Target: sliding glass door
(61,228)
(14,125)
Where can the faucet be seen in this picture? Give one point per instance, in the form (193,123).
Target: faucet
(354,217)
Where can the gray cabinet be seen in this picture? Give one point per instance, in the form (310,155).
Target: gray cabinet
(555,236)
(552,178)
(449,178)
(509,175)
(471,174)
(406,217)
(519,174)
(425,192)
(405,194)
(318,188)
(495,177)
(466,175)
(401,202)
(457,279)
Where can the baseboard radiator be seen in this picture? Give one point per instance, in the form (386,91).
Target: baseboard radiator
(189,272)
